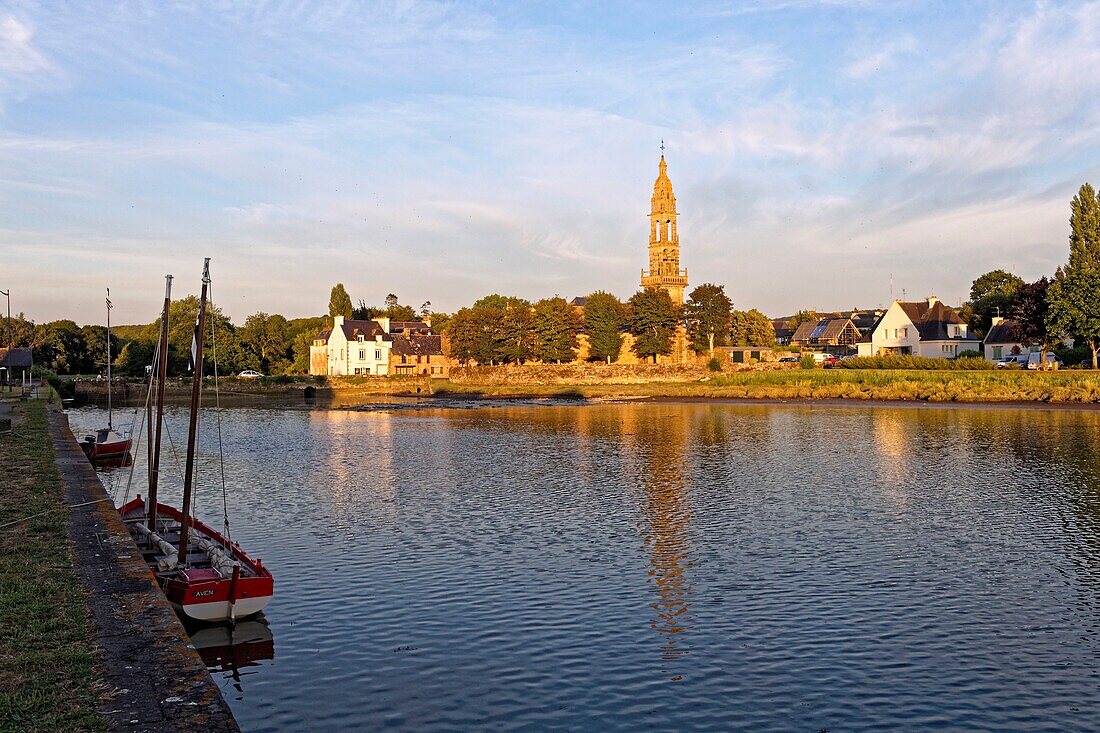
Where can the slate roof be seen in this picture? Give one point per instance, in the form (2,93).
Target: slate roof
(18,356)
(1005,332)
(932,320)
(578,302)
(399,326)
(419,344)
(367,329)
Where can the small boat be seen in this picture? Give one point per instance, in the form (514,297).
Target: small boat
(217,581)
(211,579)
(105,444)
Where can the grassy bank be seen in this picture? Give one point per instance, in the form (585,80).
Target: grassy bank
(855,384)
(46,665)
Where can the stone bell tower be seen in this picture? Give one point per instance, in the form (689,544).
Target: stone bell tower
(664,242)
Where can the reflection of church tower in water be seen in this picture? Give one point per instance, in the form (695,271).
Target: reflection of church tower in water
(664,241)
(666,520)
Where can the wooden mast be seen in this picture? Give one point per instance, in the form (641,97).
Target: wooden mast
(110,412)
(192,428)
(161,376)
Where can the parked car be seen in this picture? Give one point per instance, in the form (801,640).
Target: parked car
(1019,360)
(790,359)
(830,360)
(1033,361)
(250,374)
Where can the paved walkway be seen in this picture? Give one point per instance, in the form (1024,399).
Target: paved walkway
(156,679)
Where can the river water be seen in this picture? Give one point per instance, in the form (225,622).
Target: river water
(660,566)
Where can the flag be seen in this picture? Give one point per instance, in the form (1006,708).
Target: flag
(194,344)
(109,306)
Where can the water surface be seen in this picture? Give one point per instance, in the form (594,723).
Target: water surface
(661,567)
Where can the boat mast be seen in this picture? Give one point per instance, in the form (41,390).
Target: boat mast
(110,412)
(161,375)
(192,428)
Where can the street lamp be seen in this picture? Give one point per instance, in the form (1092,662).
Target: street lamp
(7,294)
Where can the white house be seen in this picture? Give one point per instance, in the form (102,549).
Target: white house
(921,328)
(1001,341)
(351,347)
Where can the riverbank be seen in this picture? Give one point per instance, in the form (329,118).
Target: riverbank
(94,645)
(1062,387)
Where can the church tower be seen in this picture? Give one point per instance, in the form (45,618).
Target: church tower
(664,242)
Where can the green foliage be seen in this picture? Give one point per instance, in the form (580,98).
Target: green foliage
(653,321)
(713,364)
(807,362)
(993,282)
(95,340)
(267,337)
(62,348)
(1074,306)
(1030,311)
(751,328)
(364,312)
(707,313)
(555,324)
(962,363)
(604,319)
(495,330)
(970,354)
(134,357)
(500,302)
(1084,238)
(439,321)
(231,357)
(339,302)
(803,316)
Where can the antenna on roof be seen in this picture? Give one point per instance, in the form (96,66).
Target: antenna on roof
(891,287)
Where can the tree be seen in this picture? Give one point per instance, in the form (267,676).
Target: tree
(134,357)
(425,309)
(751,328)
(708,317)
(992,282)
(1084,236)
(653,322)
(1074,307)
(364,312)
(300,348)
(803,316)
(991,294)
(555,325)
(1072,299)
(1030,311)
(62,348)
(439,321)
(231,358)
(475,335)
(95,340)
(265,336)
(516,333)
(604,318)
(339,302)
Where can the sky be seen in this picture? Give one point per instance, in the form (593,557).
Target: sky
(820,150)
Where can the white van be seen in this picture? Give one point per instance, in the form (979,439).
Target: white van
(1053,362)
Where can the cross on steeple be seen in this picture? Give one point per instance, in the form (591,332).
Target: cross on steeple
(662,146)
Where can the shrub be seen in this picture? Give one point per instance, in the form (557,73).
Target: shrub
(807,361)
(714,365)
(970,354)
(967,363)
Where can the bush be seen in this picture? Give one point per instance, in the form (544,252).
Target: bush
(807,361)
(971,354)
(917,362)
(714,365)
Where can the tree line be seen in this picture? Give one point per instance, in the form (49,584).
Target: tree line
(1066,304)
(500,329)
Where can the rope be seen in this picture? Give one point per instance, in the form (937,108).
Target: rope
(58,508)
(141,427)
(218,414)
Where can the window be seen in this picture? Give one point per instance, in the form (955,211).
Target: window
(362,354)
(905,332)
(378,354)
(997,350)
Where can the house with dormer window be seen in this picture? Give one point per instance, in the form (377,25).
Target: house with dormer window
(921,328)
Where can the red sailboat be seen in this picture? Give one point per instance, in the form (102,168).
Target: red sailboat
(213,579)
(105,444)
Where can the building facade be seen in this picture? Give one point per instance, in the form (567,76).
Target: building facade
(664,241)
(377,348)
(920,328)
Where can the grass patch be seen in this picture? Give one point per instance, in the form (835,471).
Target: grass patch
(46,662)
(817,384)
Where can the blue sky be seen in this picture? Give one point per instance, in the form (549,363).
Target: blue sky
(443,151)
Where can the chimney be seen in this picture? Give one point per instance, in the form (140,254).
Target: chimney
(997,320)
(932,300)
(384,322)
(337,321)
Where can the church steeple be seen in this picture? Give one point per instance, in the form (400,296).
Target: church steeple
(664,241)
